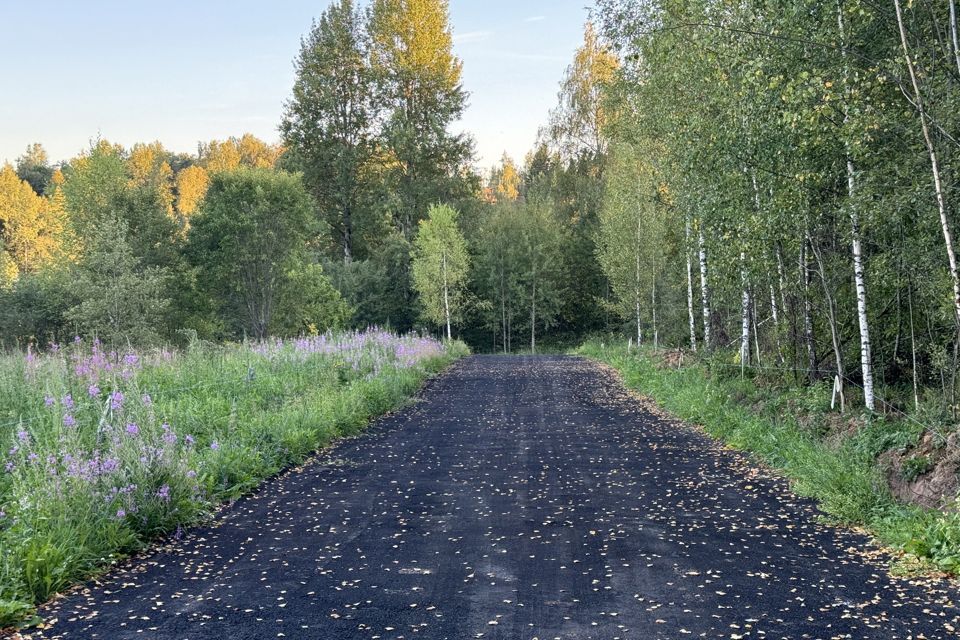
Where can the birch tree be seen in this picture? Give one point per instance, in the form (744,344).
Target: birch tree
(440,267)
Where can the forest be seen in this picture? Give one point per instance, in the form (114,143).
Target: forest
(772,183)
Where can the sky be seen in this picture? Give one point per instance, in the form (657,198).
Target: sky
(184,71)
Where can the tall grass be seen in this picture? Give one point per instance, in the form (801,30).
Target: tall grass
(843,476)
(101,451)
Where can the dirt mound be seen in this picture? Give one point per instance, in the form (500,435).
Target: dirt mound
(926,475)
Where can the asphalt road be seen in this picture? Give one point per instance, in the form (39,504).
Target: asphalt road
(520,498)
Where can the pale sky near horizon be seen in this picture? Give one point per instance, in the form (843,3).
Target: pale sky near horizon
(182,72)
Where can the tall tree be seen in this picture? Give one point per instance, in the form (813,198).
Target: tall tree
(329,124)
(420,79)
(631,241)
(249,235)
(34,167)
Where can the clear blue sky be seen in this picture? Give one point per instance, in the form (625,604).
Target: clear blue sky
(181,72)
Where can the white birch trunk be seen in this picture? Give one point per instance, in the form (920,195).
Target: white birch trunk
(953,33)
(686,251)
(446,297)
(808,308)
(653,302)
(934,160)
(856,241)
(533,313)
(744,313)
(636,281)
(704,288)
(865,349)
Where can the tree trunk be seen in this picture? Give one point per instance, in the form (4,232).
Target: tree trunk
(934,160)
(704,288)
(913,343)
(744,314)
(503,313)
(808,308)
(653,303)
(347,235)
(446,298)
(775,314)
(865,349)
(860,284)
(636,282)
(533,315)
(953,33)
(686,252)
(832,320)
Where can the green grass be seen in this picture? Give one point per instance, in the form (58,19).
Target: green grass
(86,480)
(764,418)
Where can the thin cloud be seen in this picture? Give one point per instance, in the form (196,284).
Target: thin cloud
(535,18)
(471,36)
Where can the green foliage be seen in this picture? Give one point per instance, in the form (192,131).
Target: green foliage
(34,168)
(916,466)
(120,300)
(330,121)
(420,79)
(249,235)
(440,266)
(309,304)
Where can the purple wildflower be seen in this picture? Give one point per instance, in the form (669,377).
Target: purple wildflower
(68,401)
(146,400)
(214,445)
(189,440)
(164,493)
(22,435)
(33,457)
(133,429)
(121,514)
(69,420)
(93,391)
(8,467)
(116,400)
(49,401)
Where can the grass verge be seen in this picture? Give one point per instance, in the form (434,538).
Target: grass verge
(104,452)
(843,476)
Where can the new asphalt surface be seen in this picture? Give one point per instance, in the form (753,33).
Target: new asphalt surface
(519,498)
